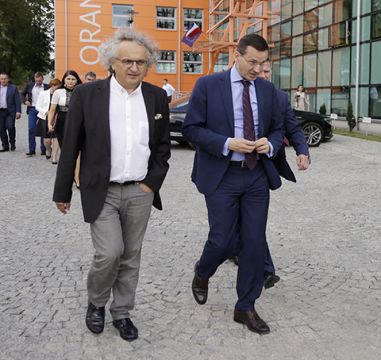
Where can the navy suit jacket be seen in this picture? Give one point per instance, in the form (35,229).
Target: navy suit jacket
(210,121)
(13,100)
(294,133)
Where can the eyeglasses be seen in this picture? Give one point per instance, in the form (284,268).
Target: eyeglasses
(255,63)
(128,62)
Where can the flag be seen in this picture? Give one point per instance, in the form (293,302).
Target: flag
(192,35)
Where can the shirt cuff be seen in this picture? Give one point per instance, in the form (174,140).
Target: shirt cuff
(271,151)
(225,149)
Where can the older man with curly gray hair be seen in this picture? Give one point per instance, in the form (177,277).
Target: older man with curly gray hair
(121,127)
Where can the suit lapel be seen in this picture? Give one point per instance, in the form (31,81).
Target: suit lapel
(149,100)
(260,106)
(102,111)
(226,90)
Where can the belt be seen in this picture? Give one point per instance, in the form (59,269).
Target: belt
(3,109)
(241,163)
(123,183)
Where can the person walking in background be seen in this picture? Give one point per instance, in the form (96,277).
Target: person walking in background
(121,126)
(43,106)
(90,76)
(10,110)
(60,104)
(301,99)
(30,95)
(234,120)
(169,89)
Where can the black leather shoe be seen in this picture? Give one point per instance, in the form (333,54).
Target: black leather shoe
(270,280)
(13,147)
(4,150)
(95,318)
(127,329)
(199,288)
(30,153)
(252,320)
(234,259)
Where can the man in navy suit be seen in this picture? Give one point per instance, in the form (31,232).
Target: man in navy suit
(10,110)
(235,122)
(30,94)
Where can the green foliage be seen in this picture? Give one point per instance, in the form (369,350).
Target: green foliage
(323,109)
(350,119)
(26,28)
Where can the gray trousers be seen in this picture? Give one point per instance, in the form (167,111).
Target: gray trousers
(117,236)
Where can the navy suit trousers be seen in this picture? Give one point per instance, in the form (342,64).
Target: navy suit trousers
(239,205)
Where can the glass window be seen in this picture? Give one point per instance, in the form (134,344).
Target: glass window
(340,62)
(340,98)
(323,40)
(310,4)
(285,48)
(285,73)
(375,101)
(363,100)
(376,26)
(297,71)
(322,2)
(297,25)
(311,96)
(276,73)
(122,16)
(324,68)
(222,62)
(310,42)
(165,18)
(325,15)
(275,51)
(364,29)
(343,9)
(309,71)
(166,62)
(192,62)
(192,16)
(274,33)
(298,7)
(311,20)
(365,7)
(364,67)
(376,61)
(297,45)
(285,30)
(286,9)
(339,34)
(376,5)
(323,97)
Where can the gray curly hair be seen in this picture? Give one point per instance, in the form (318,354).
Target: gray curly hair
(108,50)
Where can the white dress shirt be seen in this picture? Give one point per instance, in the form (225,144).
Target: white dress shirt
(3,96)
(129,134)
(35,92)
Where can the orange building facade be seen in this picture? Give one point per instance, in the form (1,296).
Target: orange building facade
(82,25)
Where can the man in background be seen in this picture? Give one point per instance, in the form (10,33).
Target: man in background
(30,95)
(10,110)
(90,76)
(169,89)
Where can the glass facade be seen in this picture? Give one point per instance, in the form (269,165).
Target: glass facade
(313,43)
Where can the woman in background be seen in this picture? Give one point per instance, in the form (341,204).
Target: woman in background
(301,99)
(60,103)
(42,106)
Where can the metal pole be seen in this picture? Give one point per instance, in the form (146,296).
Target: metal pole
(178,62)
(357,64)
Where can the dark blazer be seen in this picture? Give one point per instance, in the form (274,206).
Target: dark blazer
(210,121)
(87,129)
(13,100)
(294,133)
(27,93)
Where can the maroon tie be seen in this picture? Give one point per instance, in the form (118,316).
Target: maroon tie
(248,124)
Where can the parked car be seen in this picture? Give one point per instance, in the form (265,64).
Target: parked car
(316,127)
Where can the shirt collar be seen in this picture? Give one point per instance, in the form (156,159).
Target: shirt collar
(117,87)
(235,76)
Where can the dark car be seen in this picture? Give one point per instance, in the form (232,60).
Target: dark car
(316,127)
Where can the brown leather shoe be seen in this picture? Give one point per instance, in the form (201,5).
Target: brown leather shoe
(199,288)
(252,320)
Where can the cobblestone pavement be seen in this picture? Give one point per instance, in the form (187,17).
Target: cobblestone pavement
(324,233)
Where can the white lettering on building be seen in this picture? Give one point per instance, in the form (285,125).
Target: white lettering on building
(89,53)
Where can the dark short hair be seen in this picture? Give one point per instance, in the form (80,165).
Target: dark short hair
(91,74)
(165,80)
(253,40)
(38,74)
(73,73)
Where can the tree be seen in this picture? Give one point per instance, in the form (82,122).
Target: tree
(350,118)
(25,37)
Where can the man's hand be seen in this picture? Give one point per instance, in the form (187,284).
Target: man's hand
(241,145)
(63,207)
(18,115)
(302,161)
(261,146)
